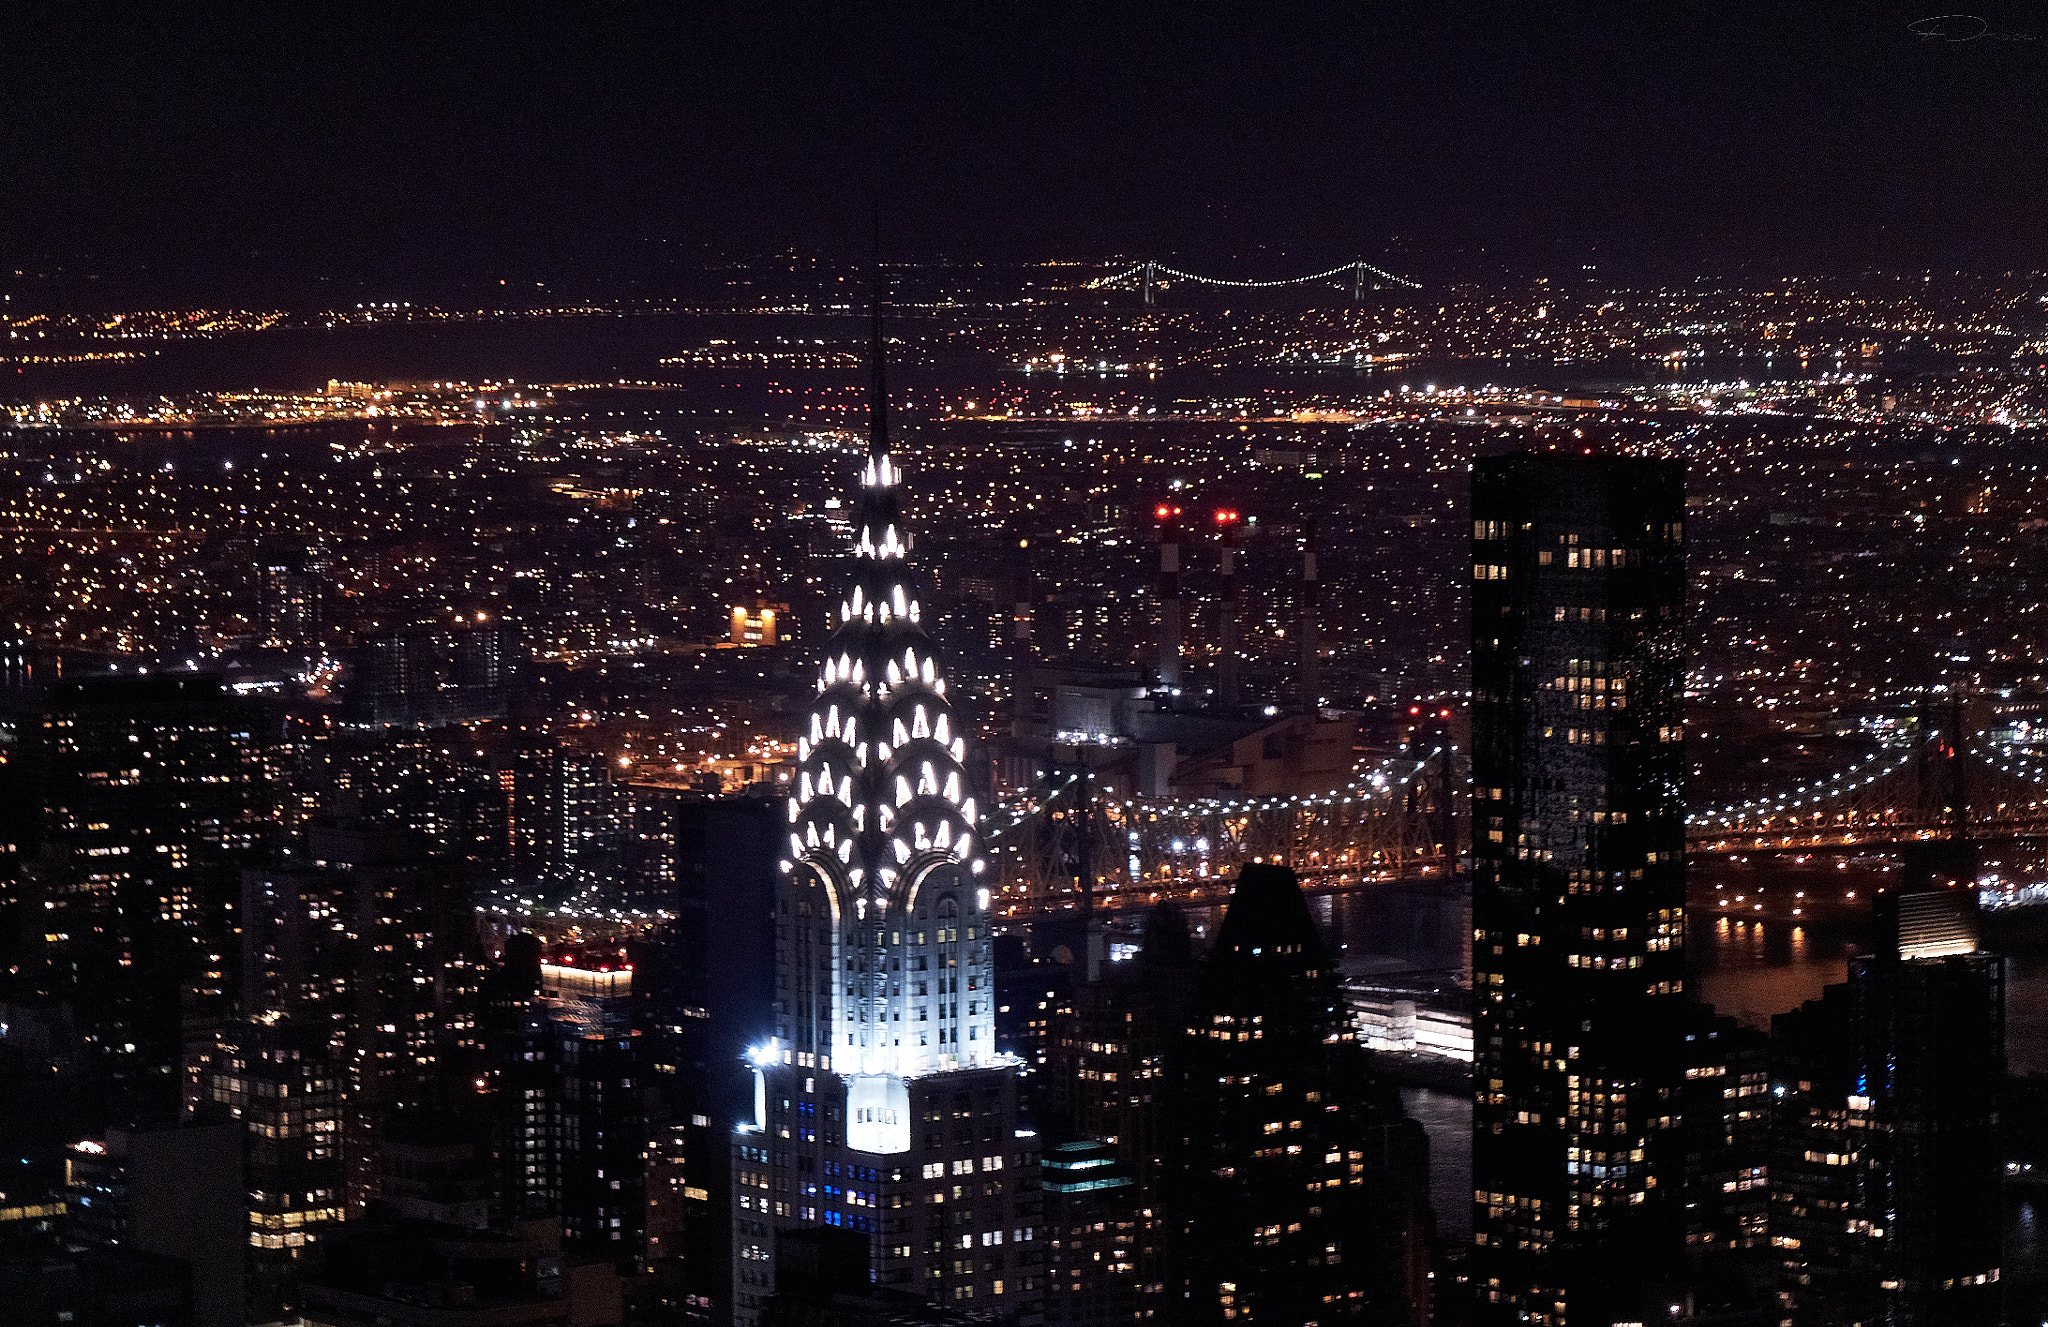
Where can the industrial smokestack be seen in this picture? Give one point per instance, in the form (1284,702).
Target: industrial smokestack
(1310,628)
(1171,618)
(1226,667)
(1023,665)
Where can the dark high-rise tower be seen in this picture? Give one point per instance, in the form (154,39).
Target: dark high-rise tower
(148,793)
(711,981)
(1294,1189)
(359,933)
(576,1125)
(1886,1179)
(1104,1086)
(278,1077)
(1578,889)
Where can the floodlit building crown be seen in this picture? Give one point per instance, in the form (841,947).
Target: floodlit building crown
(882,827)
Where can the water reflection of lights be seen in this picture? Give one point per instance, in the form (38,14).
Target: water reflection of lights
(1996,894)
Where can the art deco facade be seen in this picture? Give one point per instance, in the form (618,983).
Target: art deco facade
(883,1105)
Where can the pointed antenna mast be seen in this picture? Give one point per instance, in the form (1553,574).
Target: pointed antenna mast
(878,388)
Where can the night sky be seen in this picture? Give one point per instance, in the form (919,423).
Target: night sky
(205,142)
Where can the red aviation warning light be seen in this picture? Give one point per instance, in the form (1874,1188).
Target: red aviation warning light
(1166,511)
(1228,516)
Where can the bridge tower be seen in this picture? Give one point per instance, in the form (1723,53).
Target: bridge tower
(1151,283)
(1432,792)
(1444,791)
(1942,776)
(1080,814)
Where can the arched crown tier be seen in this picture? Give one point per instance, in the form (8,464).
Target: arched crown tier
(881,819)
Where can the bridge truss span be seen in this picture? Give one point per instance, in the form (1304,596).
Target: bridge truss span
(1924,788)
(1061,848)
(1396,822)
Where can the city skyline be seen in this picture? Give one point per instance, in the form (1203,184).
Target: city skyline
(1092,667)
(578,720)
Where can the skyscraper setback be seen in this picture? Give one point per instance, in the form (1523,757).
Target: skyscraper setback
(1294,1185)
(1578,880)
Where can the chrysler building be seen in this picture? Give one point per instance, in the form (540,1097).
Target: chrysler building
(883,1106)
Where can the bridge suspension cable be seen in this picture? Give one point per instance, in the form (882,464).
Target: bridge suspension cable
(1930,788)
(1834,785)
(1149,271)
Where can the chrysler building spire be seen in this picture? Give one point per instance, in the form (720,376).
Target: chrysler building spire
(882,827)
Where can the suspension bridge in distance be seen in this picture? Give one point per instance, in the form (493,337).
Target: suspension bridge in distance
(1060,847)
(1146,278)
